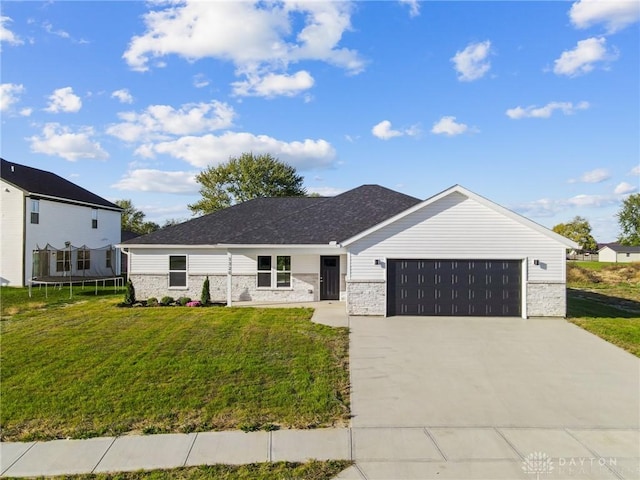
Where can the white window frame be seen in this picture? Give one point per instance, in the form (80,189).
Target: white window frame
(185,271)
(273,273)
(94,218)
(35,211)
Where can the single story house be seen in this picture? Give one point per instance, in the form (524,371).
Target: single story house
(380,251)
(614,252)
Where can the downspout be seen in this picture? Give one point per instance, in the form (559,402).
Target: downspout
(229,277)
(24,243)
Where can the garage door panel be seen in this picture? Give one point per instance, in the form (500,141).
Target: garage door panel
(454,287)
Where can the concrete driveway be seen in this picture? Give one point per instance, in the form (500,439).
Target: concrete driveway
(475,397)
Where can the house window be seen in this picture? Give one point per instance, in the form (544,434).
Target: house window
(84,259)
(108,264)
(94,218)
(283,274)
(264,271)
(35,211)
(63,263)
(272,273)
(177,271)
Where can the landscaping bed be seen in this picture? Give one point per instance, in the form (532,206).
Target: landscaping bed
(90,369)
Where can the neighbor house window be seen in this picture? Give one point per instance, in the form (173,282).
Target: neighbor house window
(108,264)
(84,259)
(35,211)
(264,271)
(177,270)
(272,273)
(94,218)
(62,261)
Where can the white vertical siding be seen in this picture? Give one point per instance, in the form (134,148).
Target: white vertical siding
(457,227)
(11,235)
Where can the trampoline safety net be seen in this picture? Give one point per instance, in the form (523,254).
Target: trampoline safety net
(53,263)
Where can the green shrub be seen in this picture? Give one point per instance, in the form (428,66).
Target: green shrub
(182,301)
(205,297)
(166,300)
(152,302)
(130,294)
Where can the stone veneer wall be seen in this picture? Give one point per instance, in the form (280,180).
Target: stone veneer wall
(366,297)
(546,300)
(304,288)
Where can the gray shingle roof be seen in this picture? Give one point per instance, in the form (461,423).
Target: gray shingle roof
(41,182)
(616,247)
(291,220)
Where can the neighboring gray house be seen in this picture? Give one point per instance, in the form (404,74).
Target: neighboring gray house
(614,252)
(380,251)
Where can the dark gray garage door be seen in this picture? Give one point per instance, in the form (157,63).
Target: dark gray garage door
(454,287)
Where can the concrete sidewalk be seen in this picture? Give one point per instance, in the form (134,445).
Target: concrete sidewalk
(136,452)
(384,453)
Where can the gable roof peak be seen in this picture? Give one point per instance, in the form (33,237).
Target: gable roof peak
(47,184)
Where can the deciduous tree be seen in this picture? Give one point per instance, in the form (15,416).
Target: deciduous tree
(578,230)
(629,221)
(132,219)
(244,178)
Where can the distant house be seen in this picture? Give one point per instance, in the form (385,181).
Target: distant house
(614,252)
(51,227)
(382,252)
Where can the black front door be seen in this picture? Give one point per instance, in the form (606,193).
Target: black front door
(330,278)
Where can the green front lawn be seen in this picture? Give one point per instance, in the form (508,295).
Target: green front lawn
(313,470)
(90,369)
(604,299)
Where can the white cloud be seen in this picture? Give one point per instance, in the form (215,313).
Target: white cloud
(9,95)
(533,111)
(259,38)
(272,85)
(547,207)
(149,180)
(625,188)
(326,191)
(472,63)
(449,126)
(26,112)
(200,80)
(49,29)
(158,121)
(384,131)
(635,171)
(584,57)
(61,141)
(64,100)
(593,176)
(7,35)
(123,95)
(614,14)
(212,150)
(414,7)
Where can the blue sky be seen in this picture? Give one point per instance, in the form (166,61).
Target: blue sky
(534,105)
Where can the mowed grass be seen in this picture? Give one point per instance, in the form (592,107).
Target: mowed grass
(604,299)
(91,369)
(313,470)
(16,300)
